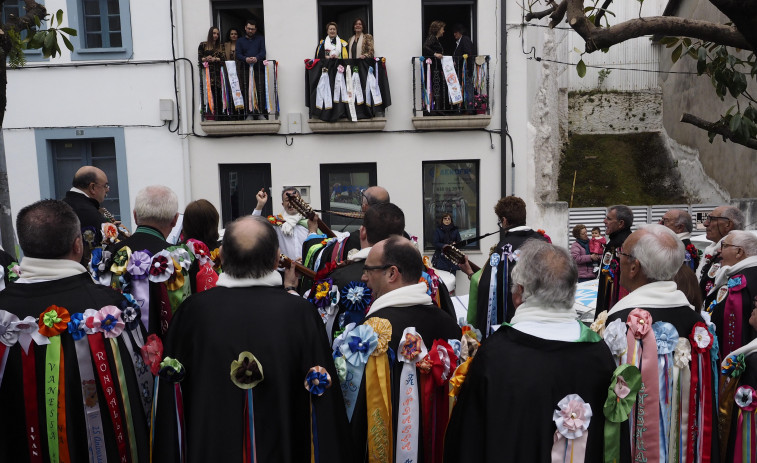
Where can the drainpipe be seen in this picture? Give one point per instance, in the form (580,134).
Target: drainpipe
(503,106)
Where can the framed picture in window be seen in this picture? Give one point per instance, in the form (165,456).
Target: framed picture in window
(451,187)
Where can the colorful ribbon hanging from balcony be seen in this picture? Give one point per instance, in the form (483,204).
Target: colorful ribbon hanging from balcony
(208,89)
(224,93)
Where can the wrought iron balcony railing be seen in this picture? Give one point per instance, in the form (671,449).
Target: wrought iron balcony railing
(462,88)
(235,90)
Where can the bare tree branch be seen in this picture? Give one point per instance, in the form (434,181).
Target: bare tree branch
(540,14)
(717,128)
(601,12)
(559,14)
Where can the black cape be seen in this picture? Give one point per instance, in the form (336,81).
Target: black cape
(88,211)
(432,324)
(747,295)
(505,407)
(207,333)
(75,294)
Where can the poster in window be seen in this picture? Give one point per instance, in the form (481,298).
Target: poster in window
(450,187)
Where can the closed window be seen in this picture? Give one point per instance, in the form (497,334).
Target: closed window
(104,29)
(102,23)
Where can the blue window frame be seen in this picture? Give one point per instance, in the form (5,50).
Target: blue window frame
(17,8)
(104,28)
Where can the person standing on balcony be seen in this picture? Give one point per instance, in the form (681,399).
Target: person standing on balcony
(210,54)
(251,50)
(433,47)
(230,46)
(360,44)
(332,46)
(465,55)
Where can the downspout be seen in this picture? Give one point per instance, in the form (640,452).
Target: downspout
(503,106)
(185,103)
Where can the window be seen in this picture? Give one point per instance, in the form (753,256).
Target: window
(17,8)
(104,29)
(451,12)
(450,187)
(61,152)
(341,186)
(344,13)
(239,185)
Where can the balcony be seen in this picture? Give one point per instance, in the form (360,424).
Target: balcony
(435,89)
(347,95)
(243,101)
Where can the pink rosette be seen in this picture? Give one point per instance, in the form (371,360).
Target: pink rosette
(639,323)
(340,68)
(109,321)
(573,417)
(139,265)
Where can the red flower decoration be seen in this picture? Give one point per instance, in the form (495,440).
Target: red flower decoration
(152,353)
(159,265)
(53,321)
(443,361)
(325,271)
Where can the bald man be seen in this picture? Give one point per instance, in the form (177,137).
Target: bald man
(249,311)
(89,188)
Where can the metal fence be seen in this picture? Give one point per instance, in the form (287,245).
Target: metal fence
(431,93)
(256,84)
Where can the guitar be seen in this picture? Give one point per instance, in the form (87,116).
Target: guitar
(286,262)
(121,229)
(307,211)
(457,257)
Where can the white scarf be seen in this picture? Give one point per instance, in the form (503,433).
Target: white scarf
(746,350)
(290,221)
(658,294)
(361,254)
(727,271)
(333,50)
(711,250)
(34,270)
(270,279)
(532,311)
(402,297)
(683,236)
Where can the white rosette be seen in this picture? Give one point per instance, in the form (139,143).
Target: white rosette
(572,420)
(615,338)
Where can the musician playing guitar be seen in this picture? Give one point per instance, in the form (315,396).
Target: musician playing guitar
(291,226)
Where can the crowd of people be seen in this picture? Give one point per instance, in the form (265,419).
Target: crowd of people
(219,349)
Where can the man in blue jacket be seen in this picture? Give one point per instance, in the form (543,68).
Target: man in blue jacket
(251,50)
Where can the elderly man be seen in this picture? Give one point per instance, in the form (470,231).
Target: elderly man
(392,271)
(291,226)
(731,298)
(249,316)
(618,224)
(718,224)
(89,188)
(679,221)
(490,301)
(649,260)
(61,394)
(504,411)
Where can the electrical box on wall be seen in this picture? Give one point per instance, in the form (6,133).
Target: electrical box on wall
(166,110)
(295,123)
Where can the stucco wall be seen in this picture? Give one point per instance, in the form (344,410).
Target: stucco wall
(730,165)
(614,112)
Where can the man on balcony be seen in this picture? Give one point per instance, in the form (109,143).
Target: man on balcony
(251,50)
(464,46)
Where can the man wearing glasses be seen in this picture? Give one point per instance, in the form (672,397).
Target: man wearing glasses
(618,224)
(89,188)
(718,224)
(679,221)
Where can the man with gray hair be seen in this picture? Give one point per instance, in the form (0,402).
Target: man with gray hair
(491,411)
(268,336)
(718,224)
(679,221)
(618,224)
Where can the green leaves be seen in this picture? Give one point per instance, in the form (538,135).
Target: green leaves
(47,39)
(677,53)
(581,68)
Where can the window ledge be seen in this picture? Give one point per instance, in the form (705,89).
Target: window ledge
(376,124)
(84,51)
(473,122)
(240,127)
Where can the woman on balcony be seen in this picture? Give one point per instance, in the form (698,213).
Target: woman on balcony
(230,46)
(432,46)
(332,46)
(210,55)
(360,45)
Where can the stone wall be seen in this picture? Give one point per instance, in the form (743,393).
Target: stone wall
(614,112)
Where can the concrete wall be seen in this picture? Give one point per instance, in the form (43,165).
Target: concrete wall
(614,112)
(732,166)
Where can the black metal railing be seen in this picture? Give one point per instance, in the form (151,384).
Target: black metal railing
(431,89)
(255,95)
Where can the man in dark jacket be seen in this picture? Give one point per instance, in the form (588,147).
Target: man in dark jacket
(90,186)
(618,224)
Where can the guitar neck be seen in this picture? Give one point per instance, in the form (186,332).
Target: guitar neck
(301,269)
(458,257)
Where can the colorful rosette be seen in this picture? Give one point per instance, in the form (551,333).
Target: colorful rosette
(621,399)
(200,250)
(317,381)
(666,337)
(733,366)
(682,353)
(181,257)
(171,370)
(356,296)
(322,293)
(461,372)
(152,353)
(360,344)
(139,264)
(76,326)
(615,337)
(120,260)
(110,233)
(14,271)
(573,416)
(701,339)
(53,321)
(246,371)
(88,236)
(746,398)
(598,325)
(411,347)
(176,279)
(383,329)
(215,256)
(94,262)
(161,267)
(443,361)
(108,320)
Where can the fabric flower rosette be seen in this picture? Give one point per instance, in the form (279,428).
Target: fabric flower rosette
(206,277)
(411,351)
(621,400)
(615,338)
(178,291)
(109,232)
(572,419)
(317,381)
(436,369)
(356,350)
(120,261)
(138,268)
(246,373)
(731,370)
(378,387)
(745,446)
(699,437)
(356,297)
(598,325)
(325,296)
(162,269)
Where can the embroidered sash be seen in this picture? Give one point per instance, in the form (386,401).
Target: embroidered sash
(52,322)
(323,91)
(340,89)
(378,392)
(356,86)
(666,337)
(411,350)
(236,90)
(700,399)
(351,94)
(361,342)
(453,85)
(372,91)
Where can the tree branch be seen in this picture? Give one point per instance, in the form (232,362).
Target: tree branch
(540,14)
(601,12)
(27,21)
(559,14)
(717,128)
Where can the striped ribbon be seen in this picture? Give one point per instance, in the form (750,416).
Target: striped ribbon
(224,92)
(208,87)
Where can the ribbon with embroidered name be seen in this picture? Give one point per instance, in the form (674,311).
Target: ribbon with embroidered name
(621,399)
(700,399)
(436,369)
(732,314)
(253,93)
(52,322)
(372,91)
(139,268)
(666,337)
(572,419)
(93,320)
(95,437)
(642,352)
(491,304)
(246,373)
(732,369)
(152,353)
(746,443)
(316,382)
(359,344)
(236,90)
(411,351)
(378,392)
